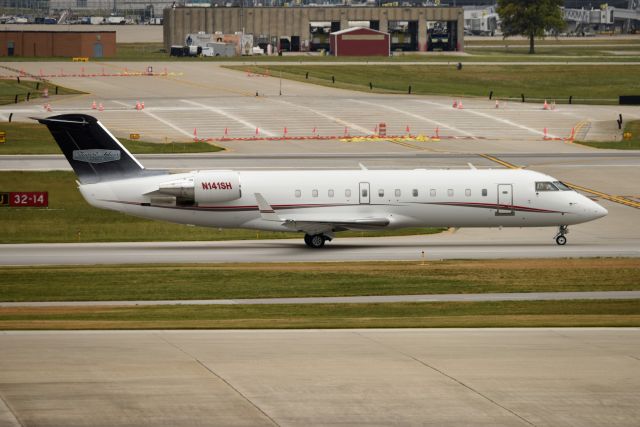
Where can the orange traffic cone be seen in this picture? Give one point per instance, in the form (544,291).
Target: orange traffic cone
(100,107)
(545,106)
(138,105)
(455,104)
(460,107)
(93,105)
(142,105)
(497,104)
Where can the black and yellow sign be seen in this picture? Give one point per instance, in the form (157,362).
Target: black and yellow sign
(627,136)
(134,136)
(3,137)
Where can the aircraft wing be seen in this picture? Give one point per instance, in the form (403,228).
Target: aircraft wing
(321,225)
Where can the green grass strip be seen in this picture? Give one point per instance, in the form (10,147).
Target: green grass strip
(397,315)
(314,280)
(9,88)
(599,84)
(632,143)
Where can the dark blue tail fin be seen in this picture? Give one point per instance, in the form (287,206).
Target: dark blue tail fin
(94,154)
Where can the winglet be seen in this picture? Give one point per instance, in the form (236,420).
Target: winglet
(266,211)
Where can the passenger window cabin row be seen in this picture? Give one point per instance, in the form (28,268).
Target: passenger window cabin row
(397,192)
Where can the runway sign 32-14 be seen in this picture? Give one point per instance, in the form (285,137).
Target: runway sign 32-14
(25,199)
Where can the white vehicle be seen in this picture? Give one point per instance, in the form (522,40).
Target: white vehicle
(317,203)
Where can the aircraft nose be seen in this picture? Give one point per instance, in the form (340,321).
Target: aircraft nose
(600,211)
(595,211)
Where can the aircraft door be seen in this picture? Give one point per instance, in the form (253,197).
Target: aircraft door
(365,195)
(505,200)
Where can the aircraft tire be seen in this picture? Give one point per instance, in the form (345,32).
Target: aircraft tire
(561,240)
(316,241)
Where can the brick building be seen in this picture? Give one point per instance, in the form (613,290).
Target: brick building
(93,44)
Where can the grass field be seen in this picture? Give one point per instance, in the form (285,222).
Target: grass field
(587,84)
(626,144)
(396,315)
(9,88)
(70,219)
(314,280)
(34,138)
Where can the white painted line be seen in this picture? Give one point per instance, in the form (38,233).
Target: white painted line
(415,116)
(161,120)
(327,116)
(489,116)
(228,115)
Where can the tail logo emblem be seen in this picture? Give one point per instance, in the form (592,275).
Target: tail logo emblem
(96,156)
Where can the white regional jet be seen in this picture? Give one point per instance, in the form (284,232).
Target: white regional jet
(317,203)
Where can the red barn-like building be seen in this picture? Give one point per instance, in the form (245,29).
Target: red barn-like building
(360,41)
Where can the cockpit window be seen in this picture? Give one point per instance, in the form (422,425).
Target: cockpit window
(545,186)
(562,186)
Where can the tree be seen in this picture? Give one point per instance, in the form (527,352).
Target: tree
(530,18)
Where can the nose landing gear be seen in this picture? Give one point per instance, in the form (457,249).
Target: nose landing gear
(560,237)
(316,241)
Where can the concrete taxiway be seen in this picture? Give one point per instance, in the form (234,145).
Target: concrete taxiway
(445,377)
(465,244)
(371,299)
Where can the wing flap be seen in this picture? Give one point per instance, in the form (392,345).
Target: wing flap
(317,226)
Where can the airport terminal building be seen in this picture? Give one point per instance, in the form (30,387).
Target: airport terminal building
(303,29)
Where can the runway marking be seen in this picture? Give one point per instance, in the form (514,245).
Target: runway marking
(11,411)
(579,126)
(415,116)
(161,120)
(616,199)
(498,119)
(500,162)
(221,378)
(450,377)
(406,144)
(327,116)
(229,116)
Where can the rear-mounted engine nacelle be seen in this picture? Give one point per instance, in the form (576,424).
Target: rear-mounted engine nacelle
(218,186)
(200,187)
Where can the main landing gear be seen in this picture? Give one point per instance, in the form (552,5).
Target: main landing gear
(316,240)
(560,237)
